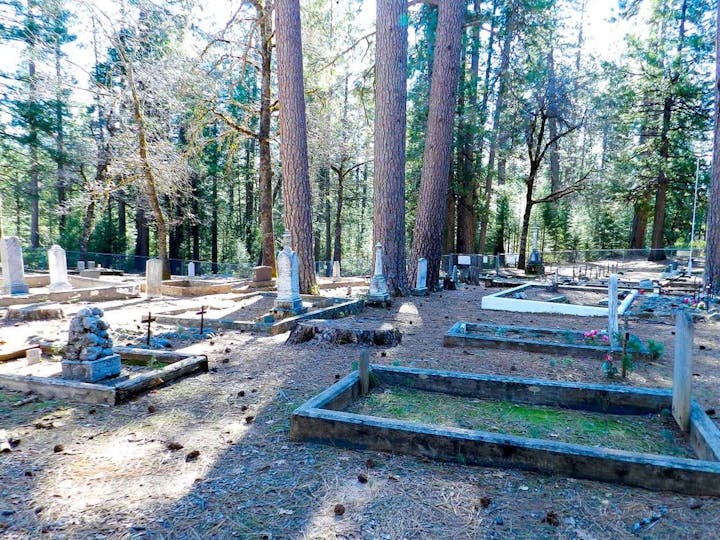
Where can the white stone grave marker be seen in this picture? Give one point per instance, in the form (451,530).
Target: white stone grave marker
(153,278)
(613,326)
(191,269)
(378,284)
(57,264)
(288,280)
(13,267)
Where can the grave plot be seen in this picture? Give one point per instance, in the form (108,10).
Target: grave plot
(81,289)
(573,343)
(255,312)
(563,300)
(545,426)
(142,370)
(195,287)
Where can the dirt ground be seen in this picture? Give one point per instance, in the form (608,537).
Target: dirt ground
(209,456)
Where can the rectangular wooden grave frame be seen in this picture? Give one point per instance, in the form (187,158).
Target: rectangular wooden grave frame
(467,334)
(333,308)
(505,301)
(322,420)
(113,393)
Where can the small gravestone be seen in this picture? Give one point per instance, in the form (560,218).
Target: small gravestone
(421,280)
(336,270)
(262,277)
(91,265)
(682,370)
(57,263)
(613,327)
(88,355)
(81,266)
(191,269)
(378,293)
(13,267)
(33,356)
(153,278)
(288,299)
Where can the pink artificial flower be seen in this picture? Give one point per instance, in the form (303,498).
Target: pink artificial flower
(606,337)
(609,357)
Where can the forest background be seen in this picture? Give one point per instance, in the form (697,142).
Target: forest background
(141,126)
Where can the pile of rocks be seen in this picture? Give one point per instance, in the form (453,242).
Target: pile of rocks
(89,355)
(88,338)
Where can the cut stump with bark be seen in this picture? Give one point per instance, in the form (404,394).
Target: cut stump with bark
(345,331)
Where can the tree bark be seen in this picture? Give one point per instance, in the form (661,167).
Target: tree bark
(432,207)
(61,179)
(468,199)
(293,143)
(712,255)
(34,188)
(266,173)
(389,147)
(639,224)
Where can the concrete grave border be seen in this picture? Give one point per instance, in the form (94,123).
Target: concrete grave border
(84,290)
(321,420)
(195,287)
(461,335)
(112,394)
(337,307)
(503,301)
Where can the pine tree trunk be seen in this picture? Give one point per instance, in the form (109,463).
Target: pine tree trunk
(195,227)
(712,255)
(467,202)
(293,143)
(61,180)
(266,173)
(34,188)
(657,253)
(214,226)
(432,207)
(639,225)
(389,149)
(337,247)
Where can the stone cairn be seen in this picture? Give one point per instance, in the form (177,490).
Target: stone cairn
(88,338)
(89,355)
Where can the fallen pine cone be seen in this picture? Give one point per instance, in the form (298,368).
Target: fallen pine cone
(192,456)
(362,478)
(339,509)
(485,501)
(58,448)
(249,419)
(174,446)
(551,518)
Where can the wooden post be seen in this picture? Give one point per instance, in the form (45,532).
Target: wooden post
(202,312)
(148,319)
(682,370)
(613,327)
(364,372)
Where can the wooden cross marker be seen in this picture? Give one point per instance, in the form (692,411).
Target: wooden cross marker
(202,312)
(148,319)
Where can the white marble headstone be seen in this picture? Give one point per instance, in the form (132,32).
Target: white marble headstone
(336,270)
(91,265)
(378,284)
(153,277)
(57,264)
(191,269)
(613,326)
(13,267)
(288,280)
(81,266)
(421,281)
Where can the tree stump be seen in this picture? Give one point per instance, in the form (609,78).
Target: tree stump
(34,312)
(345,331)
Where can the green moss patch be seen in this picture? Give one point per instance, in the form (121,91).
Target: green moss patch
(655,434)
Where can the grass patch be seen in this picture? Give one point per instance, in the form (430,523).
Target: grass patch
(655,434)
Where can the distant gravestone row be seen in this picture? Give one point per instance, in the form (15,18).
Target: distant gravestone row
(13,267)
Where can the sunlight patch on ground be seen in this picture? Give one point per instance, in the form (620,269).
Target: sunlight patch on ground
(408,308)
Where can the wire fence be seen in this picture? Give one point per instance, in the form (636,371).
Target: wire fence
(36,259)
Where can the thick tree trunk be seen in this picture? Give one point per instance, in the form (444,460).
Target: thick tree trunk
(249,218)
(467,202)
(122,223)
(390,121)
(293,143)
(451,223)
(639,224)
(552,98)
(327,222)
(432,208)
(712,260)
(214,226)
(87,229)
(142,237)
(266,174)
(34,189)
(522,252)
(657,253)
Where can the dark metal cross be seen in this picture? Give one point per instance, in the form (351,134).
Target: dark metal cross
(202,312)
(148,319)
